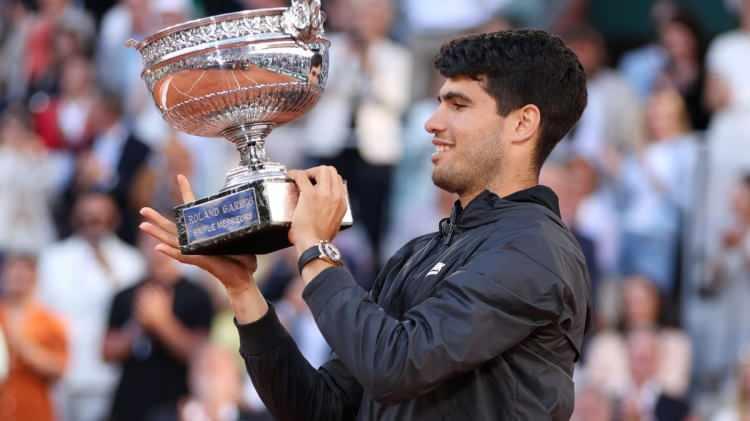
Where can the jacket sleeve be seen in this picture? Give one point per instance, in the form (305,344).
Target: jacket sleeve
(481,310)
(289,386)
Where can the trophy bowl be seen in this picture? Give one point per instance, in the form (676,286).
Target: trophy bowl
(238,76)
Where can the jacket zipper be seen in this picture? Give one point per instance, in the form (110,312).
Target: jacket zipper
(451,226)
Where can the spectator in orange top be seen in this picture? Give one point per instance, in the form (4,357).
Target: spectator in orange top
(36,341)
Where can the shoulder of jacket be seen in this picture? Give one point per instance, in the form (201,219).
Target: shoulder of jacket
(535,232)
(422,239)
(527,218)
(408,248)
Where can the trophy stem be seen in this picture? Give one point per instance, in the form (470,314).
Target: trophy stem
(250,140)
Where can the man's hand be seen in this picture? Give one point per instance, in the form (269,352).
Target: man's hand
(320,207)
(153,305)
(234,272)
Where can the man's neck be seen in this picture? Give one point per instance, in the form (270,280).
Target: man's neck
(18,302)
(500,188)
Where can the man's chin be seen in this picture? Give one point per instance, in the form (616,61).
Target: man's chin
(443,182)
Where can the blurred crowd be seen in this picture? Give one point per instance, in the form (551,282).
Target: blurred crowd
(654,182)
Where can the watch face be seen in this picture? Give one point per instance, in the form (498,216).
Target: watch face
(330,251)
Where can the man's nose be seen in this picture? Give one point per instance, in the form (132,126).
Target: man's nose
(434,124)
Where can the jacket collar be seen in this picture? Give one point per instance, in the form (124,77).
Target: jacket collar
(482,209)
(539,194)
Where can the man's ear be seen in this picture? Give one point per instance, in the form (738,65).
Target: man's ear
(526,123)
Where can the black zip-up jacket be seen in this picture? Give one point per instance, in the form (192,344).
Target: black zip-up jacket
(482,320)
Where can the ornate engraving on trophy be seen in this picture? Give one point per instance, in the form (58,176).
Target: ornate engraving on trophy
(238,76)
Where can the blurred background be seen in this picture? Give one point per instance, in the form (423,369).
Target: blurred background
(654,181)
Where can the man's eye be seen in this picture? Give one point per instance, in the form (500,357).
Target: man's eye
(459,106)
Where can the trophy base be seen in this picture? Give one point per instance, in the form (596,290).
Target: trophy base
(252,218)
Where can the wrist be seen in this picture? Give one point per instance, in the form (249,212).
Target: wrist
(248,303)
(305,243)
(313,269)
(319,250)
(237,292)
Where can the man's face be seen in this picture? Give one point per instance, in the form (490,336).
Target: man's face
(19,277)
(95,216)
(373,18)
(589,53)
(76,75)
(641,302)
(467,137)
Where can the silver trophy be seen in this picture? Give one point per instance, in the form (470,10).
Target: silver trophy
(239,75)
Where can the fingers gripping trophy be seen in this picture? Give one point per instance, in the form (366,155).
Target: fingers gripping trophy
(238,76)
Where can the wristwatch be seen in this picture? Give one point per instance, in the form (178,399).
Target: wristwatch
(324,250)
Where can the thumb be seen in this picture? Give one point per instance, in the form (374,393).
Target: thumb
(186,191)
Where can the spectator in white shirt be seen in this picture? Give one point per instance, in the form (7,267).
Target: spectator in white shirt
(647,398)
(356,126)
(657,182)
(78,278)
(612,121)
(24,199)
(729,54)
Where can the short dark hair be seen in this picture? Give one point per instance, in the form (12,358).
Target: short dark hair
(523,67)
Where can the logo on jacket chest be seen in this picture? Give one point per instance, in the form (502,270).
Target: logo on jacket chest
(436,269)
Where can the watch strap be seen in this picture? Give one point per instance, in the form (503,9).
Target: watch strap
(308,256)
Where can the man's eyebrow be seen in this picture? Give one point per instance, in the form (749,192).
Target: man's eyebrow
(453,95)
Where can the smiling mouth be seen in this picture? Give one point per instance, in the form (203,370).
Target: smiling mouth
(440,149)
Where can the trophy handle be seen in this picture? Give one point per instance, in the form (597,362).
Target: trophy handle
(131,43)
(304,20)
